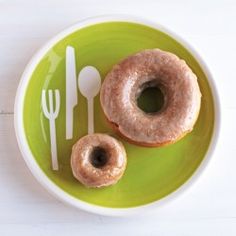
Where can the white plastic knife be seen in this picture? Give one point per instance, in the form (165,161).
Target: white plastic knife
(71,90)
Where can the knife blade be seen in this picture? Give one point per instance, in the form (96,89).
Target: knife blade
(71,90)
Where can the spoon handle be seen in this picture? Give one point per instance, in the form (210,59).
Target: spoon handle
(90,116)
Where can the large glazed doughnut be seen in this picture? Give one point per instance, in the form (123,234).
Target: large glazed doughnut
(151,68)
(98,160)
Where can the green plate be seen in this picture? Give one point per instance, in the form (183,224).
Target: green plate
(152,173)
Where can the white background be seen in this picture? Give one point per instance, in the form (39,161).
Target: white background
(208,208)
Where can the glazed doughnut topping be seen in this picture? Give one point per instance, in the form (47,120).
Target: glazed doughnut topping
(177,84)
(98,160)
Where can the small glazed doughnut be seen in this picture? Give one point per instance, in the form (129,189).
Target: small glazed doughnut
(98,160)
(151,68)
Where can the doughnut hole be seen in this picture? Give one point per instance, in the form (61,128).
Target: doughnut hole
(98,157)
(150,98)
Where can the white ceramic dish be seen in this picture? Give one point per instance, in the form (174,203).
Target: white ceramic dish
(52,187)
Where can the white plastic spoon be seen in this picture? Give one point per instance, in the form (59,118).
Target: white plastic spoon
(89,82)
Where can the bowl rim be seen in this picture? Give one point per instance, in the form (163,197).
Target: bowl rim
(49,184)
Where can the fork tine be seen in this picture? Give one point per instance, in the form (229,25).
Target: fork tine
(50,97)
(57,101)
(44,104)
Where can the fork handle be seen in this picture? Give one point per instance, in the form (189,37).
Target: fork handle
(53,144)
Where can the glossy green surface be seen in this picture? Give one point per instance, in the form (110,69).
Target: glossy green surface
(152,173)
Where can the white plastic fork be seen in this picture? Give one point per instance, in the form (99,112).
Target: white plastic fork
(51,114)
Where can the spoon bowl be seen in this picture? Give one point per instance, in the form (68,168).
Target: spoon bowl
(89,81)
